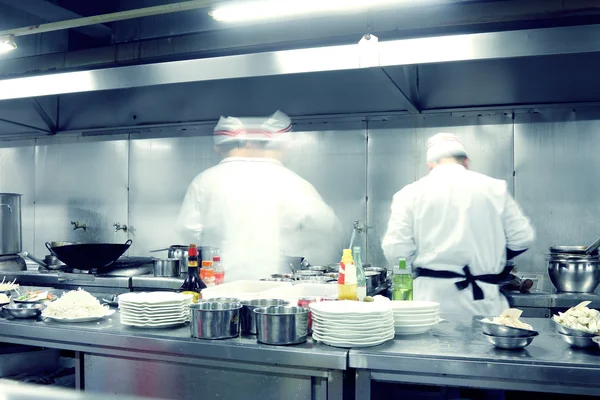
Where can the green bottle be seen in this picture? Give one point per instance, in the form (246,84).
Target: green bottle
(402,282)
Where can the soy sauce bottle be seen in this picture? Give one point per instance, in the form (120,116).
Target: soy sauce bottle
(193,284)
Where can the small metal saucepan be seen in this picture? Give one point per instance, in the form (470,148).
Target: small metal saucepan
(169,267)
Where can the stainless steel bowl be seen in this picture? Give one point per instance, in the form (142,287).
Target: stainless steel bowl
(382,272)
(26,310)
(489,328)
(596,340)
(574,275)
(220,300)
(571,332)
(277,280)
(215,320)
(581,342)
(510,343)
(247,313)
(167,267)
(281,325)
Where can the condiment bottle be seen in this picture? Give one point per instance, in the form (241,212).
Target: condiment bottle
(192,283)
(361,279)
(347,277)
(219,271)
(209,273)
(402,282)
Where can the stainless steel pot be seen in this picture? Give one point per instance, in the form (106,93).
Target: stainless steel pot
(215,320)
(382,273)
(247,313)
(373,280)
(316,268)
(10,224)
(574,275)
(168,267)
(279,325)
(308,273)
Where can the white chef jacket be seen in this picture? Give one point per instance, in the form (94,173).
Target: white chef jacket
(451,218)
(256,211)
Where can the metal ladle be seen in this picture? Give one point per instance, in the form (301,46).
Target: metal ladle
(593,247)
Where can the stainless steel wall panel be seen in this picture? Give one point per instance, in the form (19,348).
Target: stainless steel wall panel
(556,182)
(396,157)
(17,175)
(160,173)
(332,157)
(82,179)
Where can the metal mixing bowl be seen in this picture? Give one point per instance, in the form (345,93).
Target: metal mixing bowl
(25,310)
(489,328)
(580,342)
(574,275)
(510,343)
(247,313)
(572,332)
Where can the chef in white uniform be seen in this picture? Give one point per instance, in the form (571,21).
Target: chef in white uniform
(252,207)
(457,228)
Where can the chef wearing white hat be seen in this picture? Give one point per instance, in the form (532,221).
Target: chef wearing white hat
(252,207)
(457,228)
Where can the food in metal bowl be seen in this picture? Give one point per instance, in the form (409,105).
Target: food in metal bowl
(31,310)
(580,318)
(510,318)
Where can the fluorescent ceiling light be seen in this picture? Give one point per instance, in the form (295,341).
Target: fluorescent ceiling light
(272,9)
(7,43)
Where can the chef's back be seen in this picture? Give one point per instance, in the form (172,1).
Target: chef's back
(252,207)
(457,222)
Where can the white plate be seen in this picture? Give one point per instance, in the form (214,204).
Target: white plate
(414,329)
(154,310)
(415,321)
(154,298)
(414,305)
(347,307)
(156,315)
(164,325)
(141,308)
(347,344)
(352,317)
(354,324)
(81,319)
(153,321)
(415,314)
(337,335)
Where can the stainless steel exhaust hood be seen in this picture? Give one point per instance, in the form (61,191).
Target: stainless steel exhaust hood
(501,69)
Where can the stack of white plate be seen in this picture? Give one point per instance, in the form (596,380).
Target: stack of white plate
(154,309)
(415,317)
(351,323)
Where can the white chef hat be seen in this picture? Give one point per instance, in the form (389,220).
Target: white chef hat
(275,128)
(444,145)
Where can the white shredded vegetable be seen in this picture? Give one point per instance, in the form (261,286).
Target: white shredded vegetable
(510,318)
(6,286)
(581,318)
(75,304)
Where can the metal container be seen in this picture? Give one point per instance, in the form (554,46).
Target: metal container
(373,280)
(247,313)
(316,279)
(574,275)
(25,310)
(277,280)
(215,320)
(382,273)
(489,328)
(332,275)
(279,325)
(580,342)
(316,268)
(168,267)
(220,300)
(282,276)
(11,238)
(510,343)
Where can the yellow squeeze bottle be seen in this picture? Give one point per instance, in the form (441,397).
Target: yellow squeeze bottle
(347,278)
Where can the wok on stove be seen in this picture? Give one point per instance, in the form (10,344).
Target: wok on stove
(89,256)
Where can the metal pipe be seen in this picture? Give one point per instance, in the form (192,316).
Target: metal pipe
(105,18)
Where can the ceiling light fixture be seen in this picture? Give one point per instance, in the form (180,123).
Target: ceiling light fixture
(7,43)
(273,9)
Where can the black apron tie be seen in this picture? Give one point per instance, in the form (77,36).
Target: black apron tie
(470,279)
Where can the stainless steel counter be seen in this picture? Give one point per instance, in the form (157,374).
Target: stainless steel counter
(550,300)
(457,354)
(122,360)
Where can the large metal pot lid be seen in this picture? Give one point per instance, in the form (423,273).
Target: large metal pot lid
(569,249)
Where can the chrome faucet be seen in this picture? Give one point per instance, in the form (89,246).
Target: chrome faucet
(356,228)
(118,227)
(76,226)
